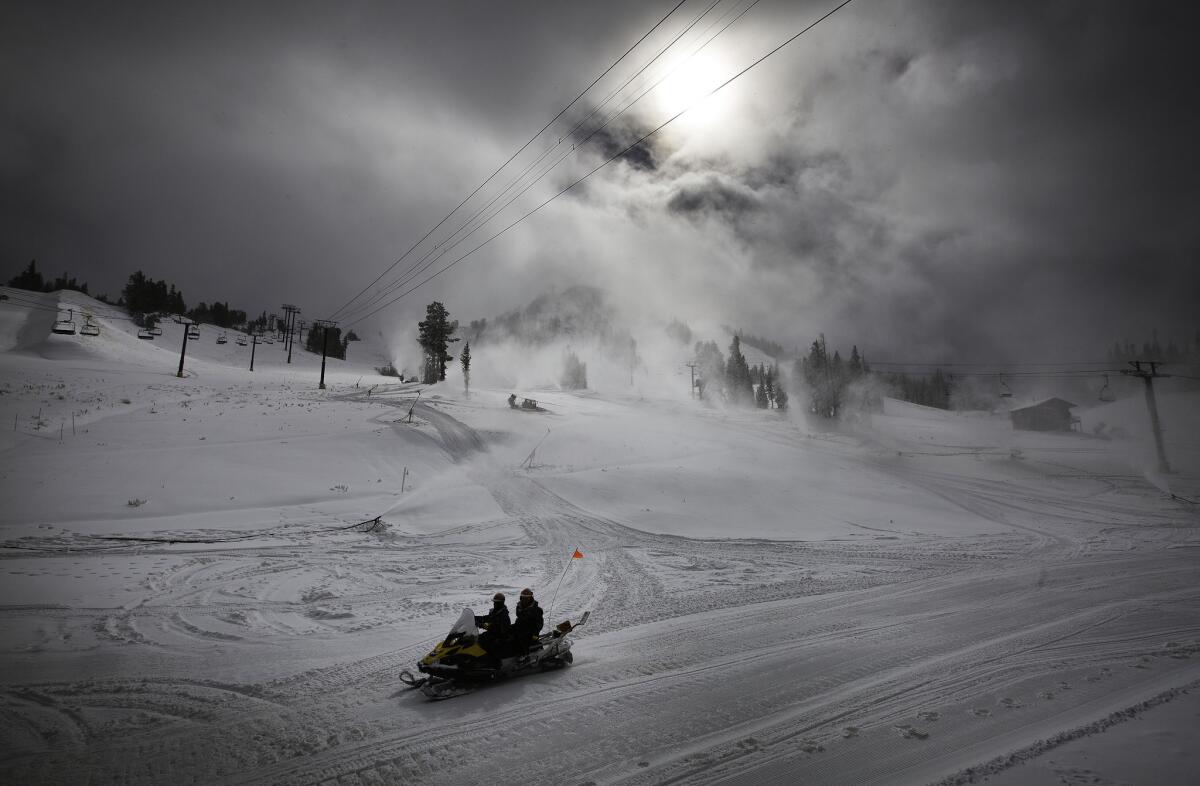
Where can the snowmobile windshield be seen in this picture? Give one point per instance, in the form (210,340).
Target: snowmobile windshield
(465,624)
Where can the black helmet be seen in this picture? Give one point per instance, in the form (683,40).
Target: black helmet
(498,597)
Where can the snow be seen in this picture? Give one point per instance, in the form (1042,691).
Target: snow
(219,577)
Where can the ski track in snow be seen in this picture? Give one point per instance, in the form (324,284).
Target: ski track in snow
(897,658)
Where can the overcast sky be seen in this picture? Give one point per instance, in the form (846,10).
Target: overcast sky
(929,180)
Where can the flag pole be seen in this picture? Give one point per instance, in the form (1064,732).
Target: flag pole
(570,559)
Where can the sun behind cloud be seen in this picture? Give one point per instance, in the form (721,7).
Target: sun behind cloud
(687,87)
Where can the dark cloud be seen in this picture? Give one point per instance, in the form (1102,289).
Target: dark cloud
(712,194)
(931,178)
(624,140)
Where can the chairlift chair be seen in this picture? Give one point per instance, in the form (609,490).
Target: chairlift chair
(64,327)
(1106,393)
(156,330)
(221,339)
(146,334)
(89,328)
(1005,390)
(193,332)
(241,341)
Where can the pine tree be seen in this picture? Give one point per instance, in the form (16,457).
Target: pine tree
(29,278)
(856,366)
(435,335)
(738,386)
(710,365)
(318,343)
(574,376)
(465,359)
(825,379)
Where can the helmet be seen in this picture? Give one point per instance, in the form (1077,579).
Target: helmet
(498,597)
(526,595)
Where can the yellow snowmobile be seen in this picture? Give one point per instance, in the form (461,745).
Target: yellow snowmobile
(458,664)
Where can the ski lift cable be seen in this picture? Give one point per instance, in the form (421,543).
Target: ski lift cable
(19,302)
(990,375)
(513,156)
(441,249)
(25,300)
(615,156)
(58,310)
(992,365)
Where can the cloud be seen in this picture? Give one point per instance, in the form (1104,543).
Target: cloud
(711,193)
(942,180)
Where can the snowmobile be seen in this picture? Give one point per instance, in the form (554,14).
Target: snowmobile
(458,664)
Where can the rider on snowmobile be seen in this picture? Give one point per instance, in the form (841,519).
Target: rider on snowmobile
(496,626)
(528,624)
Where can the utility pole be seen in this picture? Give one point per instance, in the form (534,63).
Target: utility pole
(290,319)
(324,324)
(692,390)
(253,346)
(187,324)
(1148,378)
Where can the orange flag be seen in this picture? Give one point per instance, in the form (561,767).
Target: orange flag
(577,555)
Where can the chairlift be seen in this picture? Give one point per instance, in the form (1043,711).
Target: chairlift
(241,341)
(1106,393)
(146,334)
(65,327)
(193,332)
(89,328)
(156,330)
(1005,390)
(221,339)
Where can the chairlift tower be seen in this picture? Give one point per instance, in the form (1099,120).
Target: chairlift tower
(324,324)
(290,321)
(1148,378)
(187,329)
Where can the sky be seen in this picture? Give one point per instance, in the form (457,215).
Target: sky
(930,181)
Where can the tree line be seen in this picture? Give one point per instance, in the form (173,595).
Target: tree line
(31,278)
(833,385)
(1173,351)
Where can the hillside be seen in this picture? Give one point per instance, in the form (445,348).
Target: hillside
(219,578)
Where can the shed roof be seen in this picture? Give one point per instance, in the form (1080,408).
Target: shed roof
(1043,402)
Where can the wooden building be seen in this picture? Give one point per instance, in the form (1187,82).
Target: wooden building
(1051,414)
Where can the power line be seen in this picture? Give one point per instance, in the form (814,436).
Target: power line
(1050,374)
(612,158)
(992,365)
(441,249)
(513,156)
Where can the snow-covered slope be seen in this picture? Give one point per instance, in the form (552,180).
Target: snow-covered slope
(219,577)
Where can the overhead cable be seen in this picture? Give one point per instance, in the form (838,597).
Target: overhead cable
(510,159)
(609,160)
